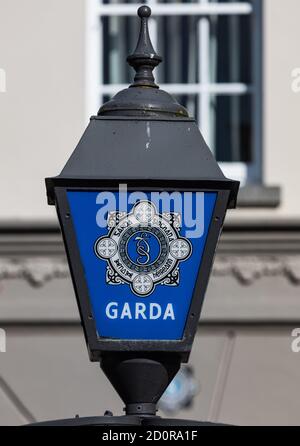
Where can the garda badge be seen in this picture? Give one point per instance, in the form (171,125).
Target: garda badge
(143,248)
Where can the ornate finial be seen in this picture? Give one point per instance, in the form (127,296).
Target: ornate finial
(146,102)
(144,59)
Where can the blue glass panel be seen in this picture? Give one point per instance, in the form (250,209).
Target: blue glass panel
(141,260)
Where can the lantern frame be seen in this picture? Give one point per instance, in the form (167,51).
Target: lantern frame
(115,150)
(99,345)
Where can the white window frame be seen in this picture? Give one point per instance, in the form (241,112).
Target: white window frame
(95,88)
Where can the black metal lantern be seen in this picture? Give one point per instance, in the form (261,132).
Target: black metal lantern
(141,204)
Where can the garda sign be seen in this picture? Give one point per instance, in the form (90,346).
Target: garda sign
(141,259)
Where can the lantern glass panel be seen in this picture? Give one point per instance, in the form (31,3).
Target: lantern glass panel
(141,253)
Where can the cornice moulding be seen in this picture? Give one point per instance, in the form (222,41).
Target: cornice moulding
(246,269)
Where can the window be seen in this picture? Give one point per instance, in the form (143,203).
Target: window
(212,65)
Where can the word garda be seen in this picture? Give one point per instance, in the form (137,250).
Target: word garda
(139,310)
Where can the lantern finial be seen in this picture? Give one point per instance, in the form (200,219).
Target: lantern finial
(145,99)
(144,59)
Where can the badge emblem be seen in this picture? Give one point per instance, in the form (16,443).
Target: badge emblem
(143,248)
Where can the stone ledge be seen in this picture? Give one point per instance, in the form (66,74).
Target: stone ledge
(257,196)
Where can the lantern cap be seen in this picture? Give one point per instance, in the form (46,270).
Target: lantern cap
(160,152)
(143,97)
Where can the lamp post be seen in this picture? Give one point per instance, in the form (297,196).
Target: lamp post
(141,203)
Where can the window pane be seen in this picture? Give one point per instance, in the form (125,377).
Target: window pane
(119,40)
(232,129)
(230,49)
(177,44)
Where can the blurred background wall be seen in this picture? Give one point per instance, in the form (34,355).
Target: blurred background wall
(236,70)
